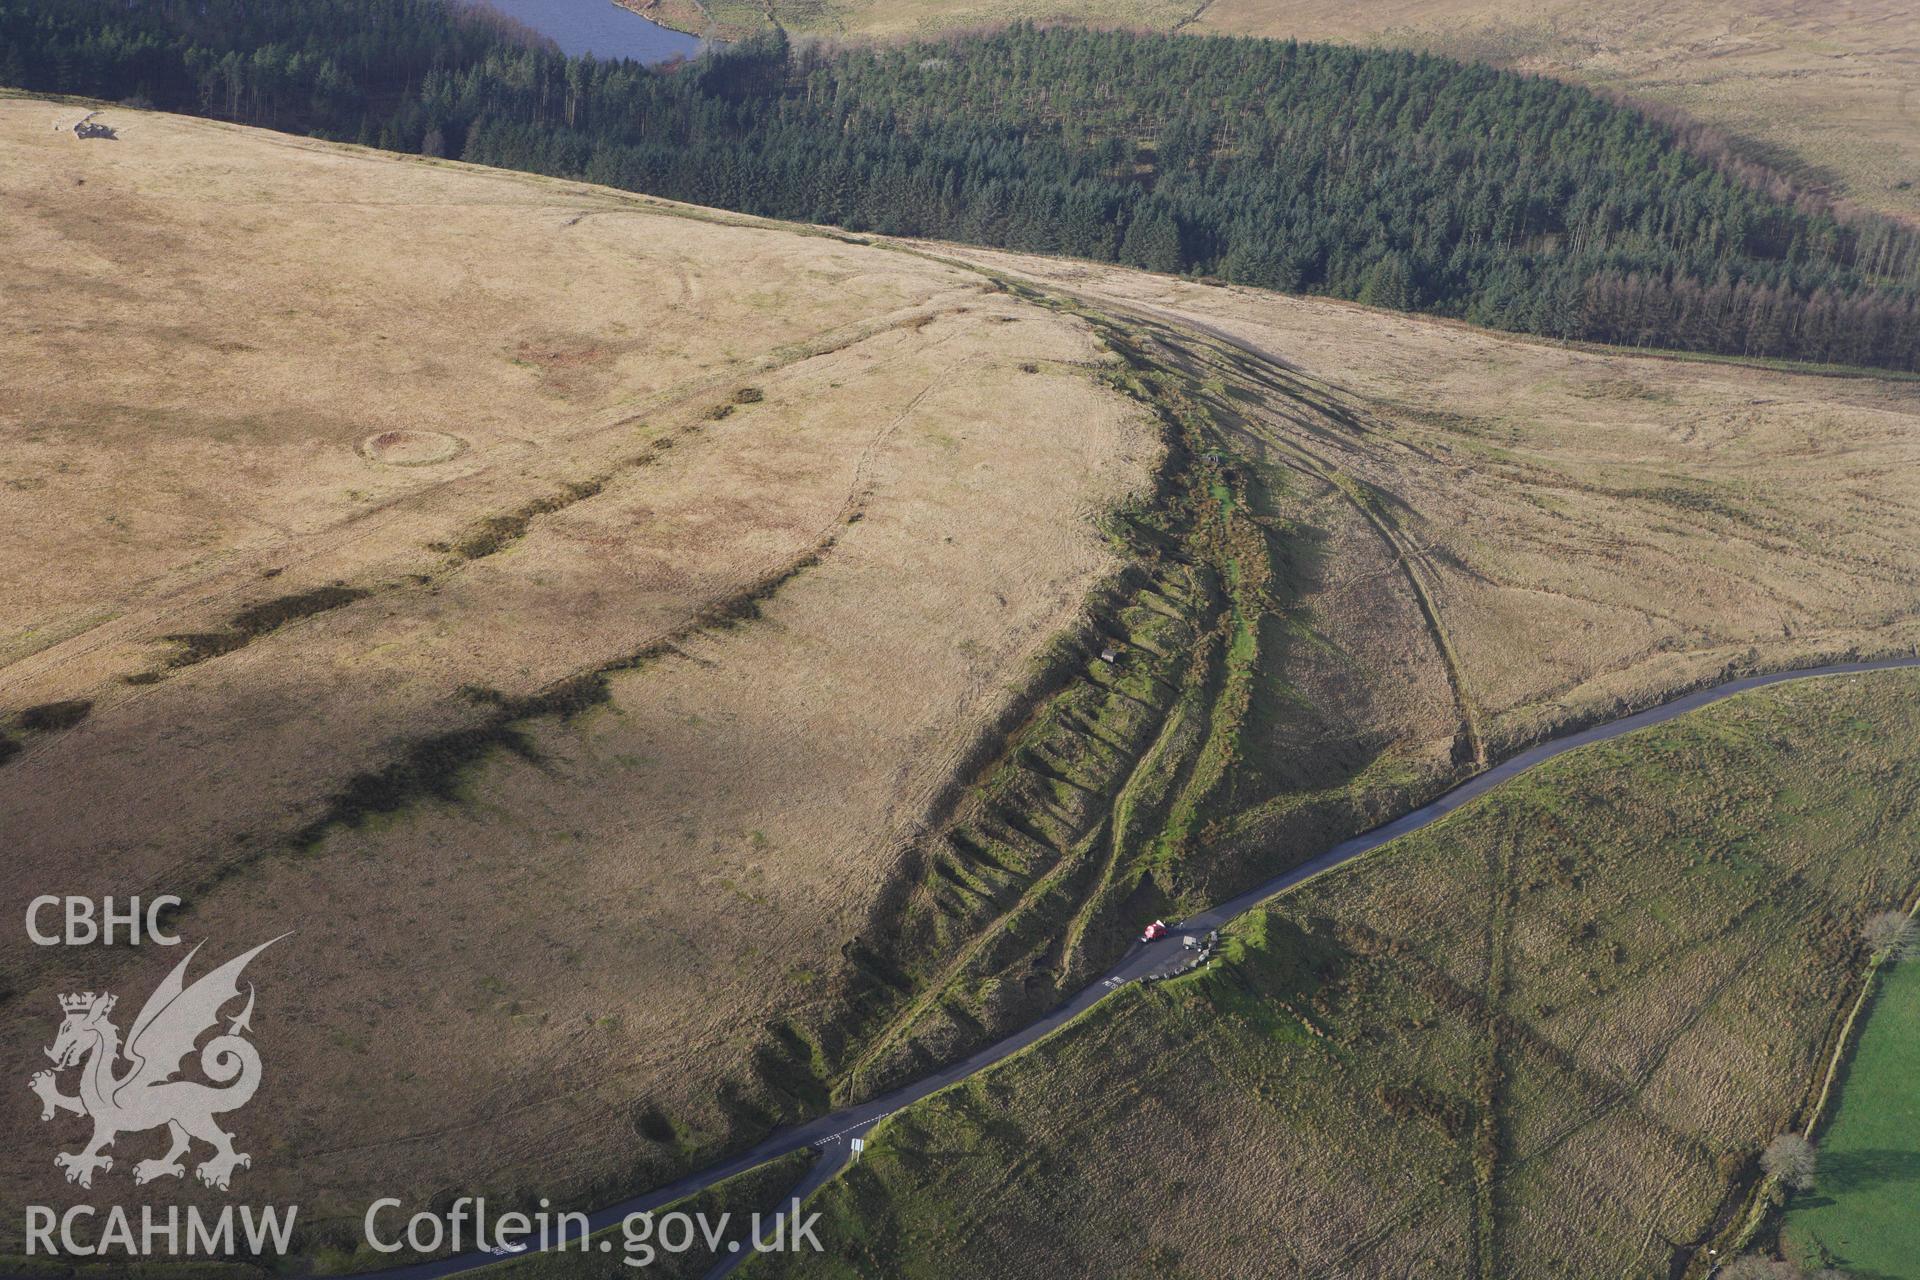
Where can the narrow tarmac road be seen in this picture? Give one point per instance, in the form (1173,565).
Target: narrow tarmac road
(829,1134)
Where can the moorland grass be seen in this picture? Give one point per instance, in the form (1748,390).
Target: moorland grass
(806,747)
(1538,1038)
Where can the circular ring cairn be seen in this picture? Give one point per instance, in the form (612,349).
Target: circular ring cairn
(411,448)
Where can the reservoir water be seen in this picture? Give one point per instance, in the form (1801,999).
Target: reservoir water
(600,27)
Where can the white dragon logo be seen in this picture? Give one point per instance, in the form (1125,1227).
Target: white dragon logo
(146,1095)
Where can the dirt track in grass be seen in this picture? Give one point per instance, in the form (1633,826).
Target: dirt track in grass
(752,534)
(607,757)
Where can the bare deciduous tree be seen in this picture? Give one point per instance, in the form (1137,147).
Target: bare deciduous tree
(1792,1159)
(1891,933)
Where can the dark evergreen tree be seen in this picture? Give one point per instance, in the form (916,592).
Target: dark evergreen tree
(1399,179)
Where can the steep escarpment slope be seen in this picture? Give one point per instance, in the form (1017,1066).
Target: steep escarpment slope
(1414,548)
(675,671)
(1547,1036)
(556,608)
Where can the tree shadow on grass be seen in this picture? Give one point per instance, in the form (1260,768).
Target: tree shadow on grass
(1843,1171)
(1809,1250)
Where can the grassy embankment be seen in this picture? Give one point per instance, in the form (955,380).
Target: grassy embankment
(1099,812)
(1546,1037)
(1278,610)
(1092,806)
(1406,596)
(626,666)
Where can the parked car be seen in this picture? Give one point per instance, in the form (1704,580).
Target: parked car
(1158,929)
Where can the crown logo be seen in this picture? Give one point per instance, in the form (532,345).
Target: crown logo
(83,1001)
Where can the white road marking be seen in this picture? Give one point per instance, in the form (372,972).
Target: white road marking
(832,1138)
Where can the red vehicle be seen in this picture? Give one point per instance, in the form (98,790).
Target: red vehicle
(1158,929)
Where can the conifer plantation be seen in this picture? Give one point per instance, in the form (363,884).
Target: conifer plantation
(1396,179)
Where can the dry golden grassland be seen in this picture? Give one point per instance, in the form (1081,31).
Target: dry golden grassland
(750,534)
(1827,92)
(715,729)
(1591,526)
(1545,1037)
(1400,547)
(1408,546)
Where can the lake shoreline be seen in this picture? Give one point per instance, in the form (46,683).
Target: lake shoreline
(666,14)
(604,29)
